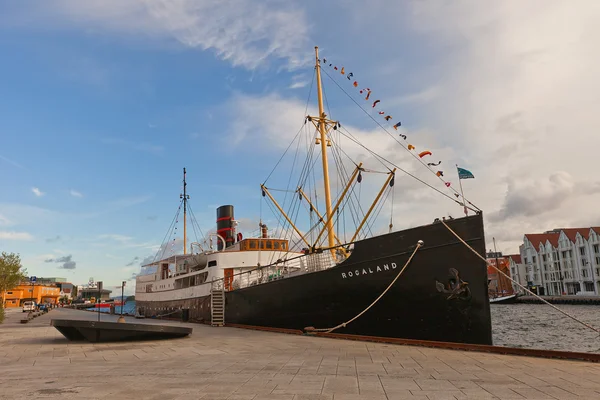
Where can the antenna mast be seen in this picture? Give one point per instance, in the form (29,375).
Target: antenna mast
(323,125)
(185,198)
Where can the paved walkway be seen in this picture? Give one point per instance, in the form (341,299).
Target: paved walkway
(228,363)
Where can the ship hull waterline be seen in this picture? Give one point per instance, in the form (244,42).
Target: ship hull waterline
(441,296)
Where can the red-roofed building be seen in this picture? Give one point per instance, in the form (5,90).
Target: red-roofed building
(562,261)
(498,284)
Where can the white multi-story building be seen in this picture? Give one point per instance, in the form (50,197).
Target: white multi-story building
(517,272)
(562,261)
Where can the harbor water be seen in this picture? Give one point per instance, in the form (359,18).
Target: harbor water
(539,326)
(532,326)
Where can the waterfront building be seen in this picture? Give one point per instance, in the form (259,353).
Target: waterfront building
(517,272)
(88,293)
(498,284)
(40,293)
(563,261)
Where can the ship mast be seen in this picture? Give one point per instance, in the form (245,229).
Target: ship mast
(323,125)
(185,198)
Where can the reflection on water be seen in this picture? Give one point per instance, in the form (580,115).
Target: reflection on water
(539,326)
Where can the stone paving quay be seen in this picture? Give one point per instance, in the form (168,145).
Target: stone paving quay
(230,363)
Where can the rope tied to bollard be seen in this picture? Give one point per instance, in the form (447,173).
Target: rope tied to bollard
(311,329)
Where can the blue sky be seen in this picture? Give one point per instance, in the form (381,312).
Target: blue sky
(103,103)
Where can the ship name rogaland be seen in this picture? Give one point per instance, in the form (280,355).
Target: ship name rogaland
(365,271)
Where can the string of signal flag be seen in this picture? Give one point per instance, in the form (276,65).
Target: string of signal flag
(367,92)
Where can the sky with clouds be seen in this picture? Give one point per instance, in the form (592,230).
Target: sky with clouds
(104,102)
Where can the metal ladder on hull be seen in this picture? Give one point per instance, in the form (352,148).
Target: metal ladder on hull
(217,307)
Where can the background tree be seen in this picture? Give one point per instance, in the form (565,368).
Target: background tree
(11,274)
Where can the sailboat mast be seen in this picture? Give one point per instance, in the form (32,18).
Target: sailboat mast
(185,199)
(323,131)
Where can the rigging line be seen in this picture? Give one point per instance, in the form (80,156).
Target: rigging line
(394,137)
(291,173)
(196,220)
(355,140)
(343,205)
(346,177)
(515,282)
(392,212)
(168,231)
(310,90)
(195,232)
(276,213)
(301,181)
(284,153)
(413,176)
(379,208)
(278,190)
(350,200)
(307,177)
(309,154)
(292,218)
(342,150)
(172,233)
(291,210)
(339,148)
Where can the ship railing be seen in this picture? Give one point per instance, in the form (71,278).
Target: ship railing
(280,269)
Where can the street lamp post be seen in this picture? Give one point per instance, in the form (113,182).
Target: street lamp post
(122,318)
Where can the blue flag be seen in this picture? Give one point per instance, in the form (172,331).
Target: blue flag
(464,174)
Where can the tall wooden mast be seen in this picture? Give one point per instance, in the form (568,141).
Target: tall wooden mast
(322,124)
(185,198)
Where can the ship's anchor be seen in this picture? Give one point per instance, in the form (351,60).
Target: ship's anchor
(457,288)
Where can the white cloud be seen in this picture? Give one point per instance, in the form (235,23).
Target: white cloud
(5,235)
(244,32)
(415,203)
(22,214)
(116,237)
(298,84)
(519,95)
(75,193)
(11,162)
(509,92)
(37,192)
(5,221)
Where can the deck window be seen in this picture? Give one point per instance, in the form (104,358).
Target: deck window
(269,244)
(253,244)
(276,245)
(212,263)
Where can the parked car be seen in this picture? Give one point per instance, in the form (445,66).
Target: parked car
(29,306)
(44,307)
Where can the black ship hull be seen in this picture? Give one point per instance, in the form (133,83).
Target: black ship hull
(441,296)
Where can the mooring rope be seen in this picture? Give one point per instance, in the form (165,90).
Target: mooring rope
(343,324)
(518,284)
(172,312)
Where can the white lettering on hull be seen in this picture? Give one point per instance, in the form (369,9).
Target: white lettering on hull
(370,270)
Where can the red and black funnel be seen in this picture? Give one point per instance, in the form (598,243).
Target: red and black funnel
(225,225)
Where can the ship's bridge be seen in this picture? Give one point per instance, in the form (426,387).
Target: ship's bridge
(257,244)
